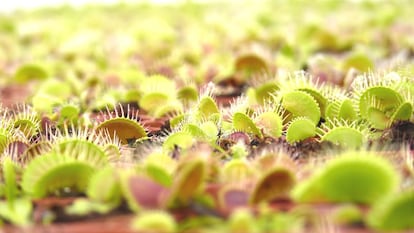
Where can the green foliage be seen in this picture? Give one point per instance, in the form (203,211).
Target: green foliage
(209,103)
(393,213)
(360,177)
(28,72)
(300,103)
(53,173)
(244,123)
(270,123)
(154,221)
(347,135)
(299,129)
(104,186)
(181,139)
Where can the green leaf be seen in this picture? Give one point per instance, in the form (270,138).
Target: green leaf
(358,177)
(29,72)
(300,103)
(19,213)
(395,213)
(403,112)
(300,129)
(347,137)
(386,99)
(181,139)
(244,123)
(206,107)
(270,123)
(10,184)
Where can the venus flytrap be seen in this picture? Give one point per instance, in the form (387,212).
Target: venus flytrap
(153,222)
(34,150)
(188,94)
(206,107)
(300,129)
(180,139)
(81,144)
(263,93)
(349,135)
(142,192)
(249,65)
(261,88)
(242,122)
(123,125)
(29,72)
(232,196)
(160,167)
(26,120)
(63,173)
(270,123)
(277,178)
(158,96)
(6,131)
(237,170)
(359,61)
(189,181)
(264,121)
(393,213)
(202,123)
(378,98)
(242,220)
(347,214)
(299,104)
(354,176)
(274,184)
(205,130)
(50,94)
(103,191)
(341,107)
(15,208)
(69,113)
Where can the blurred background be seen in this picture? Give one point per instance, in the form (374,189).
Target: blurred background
(10,6)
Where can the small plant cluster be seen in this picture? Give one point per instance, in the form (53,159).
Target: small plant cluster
(190,124)
(219,163)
